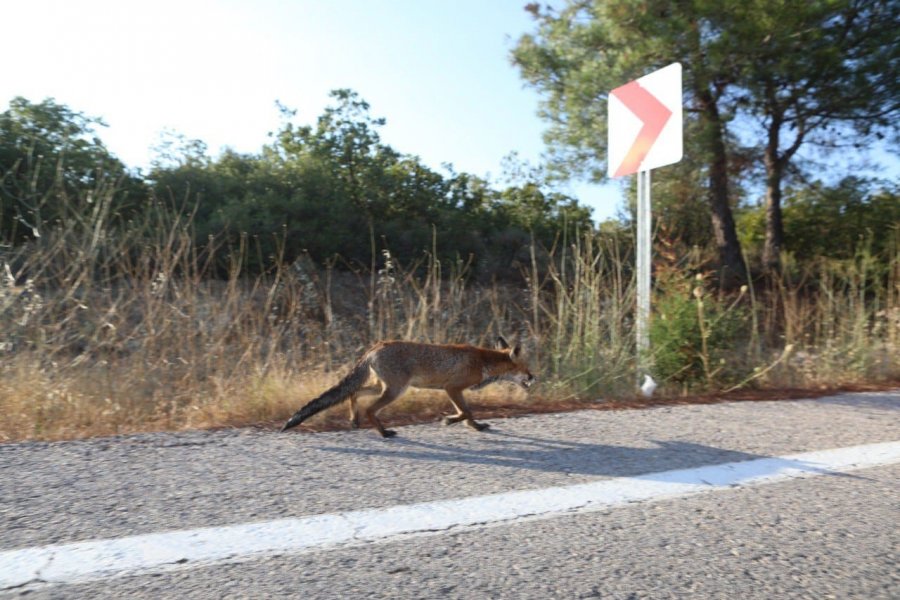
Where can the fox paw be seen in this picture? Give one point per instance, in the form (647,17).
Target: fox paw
(388,433)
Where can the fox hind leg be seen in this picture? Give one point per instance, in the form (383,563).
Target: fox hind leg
(387,396)
(370,390)
(354,412)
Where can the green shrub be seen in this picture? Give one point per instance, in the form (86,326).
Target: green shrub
(697,338)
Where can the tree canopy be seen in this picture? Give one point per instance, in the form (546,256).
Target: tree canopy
(582,51)
(50,161)
(815,72)
(762,79)
(793,69)
(331,189)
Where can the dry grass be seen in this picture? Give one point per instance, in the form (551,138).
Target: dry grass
(97,339)
(37,404)
(106,331)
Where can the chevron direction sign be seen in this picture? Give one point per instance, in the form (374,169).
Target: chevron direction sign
(645,123)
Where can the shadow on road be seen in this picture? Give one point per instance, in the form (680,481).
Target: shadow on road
(879,401)
(519,452)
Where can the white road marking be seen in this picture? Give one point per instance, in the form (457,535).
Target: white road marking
(98,559)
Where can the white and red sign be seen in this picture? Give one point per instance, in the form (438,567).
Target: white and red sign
(645,130)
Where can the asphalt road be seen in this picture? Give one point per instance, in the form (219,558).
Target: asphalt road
(827,536)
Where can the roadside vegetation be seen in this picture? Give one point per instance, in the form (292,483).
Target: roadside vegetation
(109,330)
(228,290)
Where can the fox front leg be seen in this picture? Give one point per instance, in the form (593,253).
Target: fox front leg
(453,420)
(462,411)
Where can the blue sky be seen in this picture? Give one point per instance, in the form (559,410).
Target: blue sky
(437,70)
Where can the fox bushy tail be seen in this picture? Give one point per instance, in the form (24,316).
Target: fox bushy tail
(347,386)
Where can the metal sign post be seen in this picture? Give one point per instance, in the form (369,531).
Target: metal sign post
(643,267)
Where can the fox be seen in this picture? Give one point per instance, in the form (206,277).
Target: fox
(397,365)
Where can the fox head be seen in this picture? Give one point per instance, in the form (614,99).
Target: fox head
(517,371)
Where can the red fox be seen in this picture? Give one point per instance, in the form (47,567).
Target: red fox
(398,365)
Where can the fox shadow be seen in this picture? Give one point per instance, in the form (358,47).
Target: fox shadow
(888,400)
(663,460)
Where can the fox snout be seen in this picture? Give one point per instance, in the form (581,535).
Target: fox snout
(527,381)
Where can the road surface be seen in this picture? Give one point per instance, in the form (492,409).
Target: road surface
(790,527)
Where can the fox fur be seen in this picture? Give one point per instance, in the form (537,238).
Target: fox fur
(397,365)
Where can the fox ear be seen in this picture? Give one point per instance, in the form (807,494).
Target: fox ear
(516,351)
(501,343)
